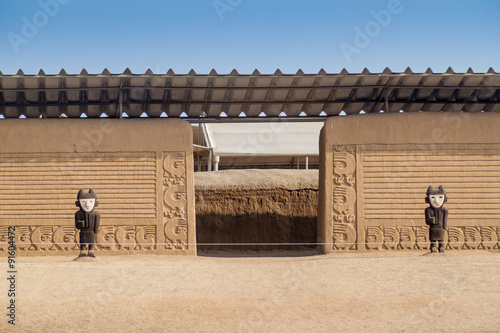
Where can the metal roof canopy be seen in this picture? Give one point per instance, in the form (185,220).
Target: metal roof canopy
(244,98)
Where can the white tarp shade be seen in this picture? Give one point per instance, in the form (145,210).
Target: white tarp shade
(265,139)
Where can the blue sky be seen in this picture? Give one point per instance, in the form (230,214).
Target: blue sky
(247,35)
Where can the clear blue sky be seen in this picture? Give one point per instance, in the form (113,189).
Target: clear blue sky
(247,35)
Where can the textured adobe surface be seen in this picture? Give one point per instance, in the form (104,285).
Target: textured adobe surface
(141,170)
(236,208)
(375,169)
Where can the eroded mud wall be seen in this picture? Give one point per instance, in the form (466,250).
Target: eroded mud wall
(273,209)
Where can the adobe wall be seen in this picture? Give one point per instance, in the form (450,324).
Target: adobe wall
(140,169)
(256,210)
(375,170)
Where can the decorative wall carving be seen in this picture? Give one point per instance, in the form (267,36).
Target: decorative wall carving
(489,237)
(407,238)
(344,236)
(125,237)
(64,238)
(391,238)
(4,232)
(374,238)
(23,238)
(422,239)
(41,238)
(472,238)
(417,238)
(344,197)
(344,165)
(145,238)
(175,201)
(456,238)
(106,238)
(142,185)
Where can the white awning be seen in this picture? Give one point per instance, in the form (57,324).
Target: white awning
(265,139)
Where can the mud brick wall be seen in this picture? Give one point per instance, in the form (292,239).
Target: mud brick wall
(375,170)
(273,209)
(141,171)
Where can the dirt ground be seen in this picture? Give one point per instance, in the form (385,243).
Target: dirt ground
(257,179)
(277,292)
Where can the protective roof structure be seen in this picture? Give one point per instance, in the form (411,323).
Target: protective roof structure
(244,97)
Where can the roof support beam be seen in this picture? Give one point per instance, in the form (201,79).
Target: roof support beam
(274,87)
(120,102)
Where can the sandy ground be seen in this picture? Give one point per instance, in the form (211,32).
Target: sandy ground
(375,292)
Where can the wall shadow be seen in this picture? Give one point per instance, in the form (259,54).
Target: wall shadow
(255,234)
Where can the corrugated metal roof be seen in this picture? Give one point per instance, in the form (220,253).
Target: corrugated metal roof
(251,95)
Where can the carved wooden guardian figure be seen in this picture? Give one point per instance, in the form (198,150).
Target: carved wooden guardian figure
(436,216)
(87,220)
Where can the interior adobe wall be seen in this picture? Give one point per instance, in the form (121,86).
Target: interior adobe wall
(256,210)
(272,219)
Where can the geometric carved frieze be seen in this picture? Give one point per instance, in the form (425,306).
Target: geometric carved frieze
(407,238)
(422,241)
(344,198)
(417,238)
(175,201)
(472,238)
(65,238)
(456,238)
(344,236)
(391,238)
(4,237)
(489,237)
(374,237)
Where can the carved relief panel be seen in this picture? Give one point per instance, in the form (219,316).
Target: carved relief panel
(417,238)
(344,198)
(65,238)
(175,201)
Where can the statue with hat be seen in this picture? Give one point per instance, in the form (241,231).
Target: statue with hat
(436,217)
(87,221)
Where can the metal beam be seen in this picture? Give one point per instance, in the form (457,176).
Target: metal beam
(288,119)
(463,101)
(252,87)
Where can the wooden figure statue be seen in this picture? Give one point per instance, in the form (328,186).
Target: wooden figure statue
(436,216)
(87,220)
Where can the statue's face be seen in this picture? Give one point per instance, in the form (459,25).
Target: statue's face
(436,200)
(87,204)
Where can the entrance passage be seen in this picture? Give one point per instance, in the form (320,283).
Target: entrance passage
(256,210)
